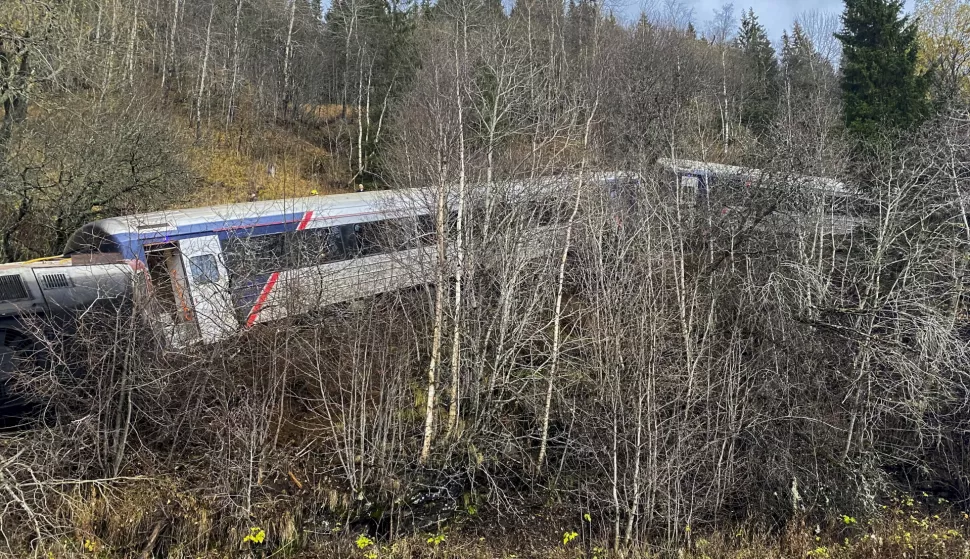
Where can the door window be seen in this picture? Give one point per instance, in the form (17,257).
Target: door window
(204,269)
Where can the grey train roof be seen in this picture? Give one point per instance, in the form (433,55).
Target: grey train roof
(371,201)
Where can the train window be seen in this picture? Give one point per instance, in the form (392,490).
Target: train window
(426,230)
(378,237)
(426,224)
(692,183)
(362,239)
(370,237)
(91,239)
(397,234)
(204,268)
(423,231)
(313,247)
(407,233)
(365,234)
(258,255)
(348,234)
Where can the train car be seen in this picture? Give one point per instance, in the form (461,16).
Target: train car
(211,272)
(724,187)
(707,178)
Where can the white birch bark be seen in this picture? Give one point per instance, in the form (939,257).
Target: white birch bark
(459,242)
(234,79)
(560,282)
(202,74)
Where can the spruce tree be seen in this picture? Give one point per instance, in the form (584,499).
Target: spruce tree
(760,74)
(580,25)
(882,89)
(797,59)
(805,71)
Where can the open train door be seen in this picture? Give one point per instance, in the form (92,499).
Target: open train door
(208,282)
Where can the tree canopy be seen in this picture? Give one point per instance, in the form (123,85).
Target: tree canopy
(759,65)
(944,48)
(882,88)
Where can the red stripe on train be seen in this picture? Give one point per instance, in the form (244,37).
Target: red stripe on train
(273,278)
(305,221)
(254,314)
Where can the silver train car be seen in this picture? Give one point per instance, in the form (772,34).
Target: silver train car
(208,273)
(844,208)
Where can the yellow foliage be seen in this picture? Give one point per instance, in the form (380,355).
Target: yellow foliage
(436,540)
(363,542)
(256,536)
(944,35)
(275,168)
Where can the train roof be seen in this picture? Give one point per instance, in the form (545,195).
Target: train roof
(289,208)
(326,206)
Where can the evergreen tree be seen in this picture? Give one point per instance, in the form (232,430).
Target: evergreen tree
(796,58)
(805,70)
(760,74)
(373,45)
(881,86)
(580,25)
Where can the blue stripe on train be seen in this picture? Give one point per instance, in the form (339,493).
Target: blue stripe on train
(132,244)
(245,292)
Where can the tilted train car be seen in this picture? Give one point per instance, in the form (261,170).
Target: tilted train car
(214,271)
(844,209)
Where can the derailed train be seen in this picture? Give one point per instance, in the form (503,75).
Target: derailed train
(827,205)
(207,273)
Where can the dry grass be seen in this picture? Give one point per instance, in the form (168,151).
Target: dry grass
(254,159)
(229,175)
(260,165)
(141,516)
(259,160)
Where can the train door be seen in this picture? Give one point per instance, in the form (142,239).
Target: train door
(693,185)
(208,282)
(171,303)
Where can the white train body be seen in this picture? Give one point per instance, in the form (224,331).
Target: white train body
(212,272)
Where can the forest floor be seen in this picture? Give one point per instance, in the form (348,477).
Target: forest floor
(904,530)
(115,524)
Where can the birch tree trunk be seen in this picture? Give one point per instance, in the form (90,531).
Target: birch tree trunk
(560,282)
(234,78)
(459,240)
(202,74)
(439,304)
(132,42)
(110,58)
(287,58)
(168,66)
